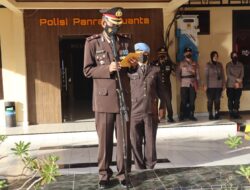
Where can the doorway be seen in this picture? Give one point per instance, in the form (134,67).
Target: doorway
(241,39)
(76,89)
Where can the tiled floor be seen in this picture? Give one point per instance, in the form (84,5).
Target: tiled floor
(192,154)
(202,178)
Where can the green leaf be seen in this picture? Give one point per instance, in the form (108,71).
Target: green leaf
(21,149)
(32,163)
(49,170)
(233,142)
(2,138)
(3,184)
(244,171)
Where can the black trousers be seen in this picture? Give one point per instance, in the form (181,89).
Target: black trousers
(233,96)
(213,98)
(168,99)
(188,96)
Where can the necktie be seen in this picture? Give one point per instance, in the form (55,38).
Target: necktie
(143,68)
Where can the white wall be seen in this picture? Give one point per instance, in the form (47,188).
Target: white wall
(13,64)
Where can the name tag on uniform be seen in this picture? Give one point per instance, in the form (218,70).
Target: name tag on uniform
(135,76)
(99,51)
(167,68)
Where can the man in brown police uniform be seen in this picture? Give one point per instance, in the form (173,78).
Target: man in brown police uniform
(100,65)
(146,88)
(166,68)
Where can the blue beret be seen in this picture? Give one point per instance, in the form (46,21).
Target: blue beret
(142,47)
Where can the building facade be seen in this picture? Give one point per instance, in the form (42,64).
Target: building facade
(42,48)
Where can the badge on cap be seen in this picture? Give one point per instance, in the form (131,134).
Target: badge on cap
(118,13)
(113,15)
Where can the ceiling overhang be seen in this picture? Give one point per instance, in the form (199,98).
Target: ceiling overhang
(99,1)
(20,5)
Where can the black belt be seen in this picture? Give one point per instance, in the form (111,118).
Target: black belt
(188,76)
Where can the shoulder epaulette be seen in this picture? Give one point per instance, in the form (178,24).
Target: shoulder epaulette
(95,36)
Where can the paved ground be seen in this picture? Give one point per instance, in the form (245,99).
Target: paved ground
(191,156)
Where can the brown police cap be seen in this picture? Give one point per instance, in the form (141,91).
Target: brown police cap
(115,12)
(113,15)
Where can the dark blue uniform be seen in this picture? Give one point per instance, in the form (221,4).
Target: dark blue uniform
(166,67)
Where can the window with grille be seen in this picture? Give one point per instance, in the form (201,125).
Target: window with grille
(204,20)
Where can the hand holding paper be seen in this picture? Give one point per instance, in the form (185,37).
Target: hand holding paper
(130,60)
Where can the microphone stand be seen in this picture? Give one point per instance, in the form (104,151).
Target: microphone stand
(123,109)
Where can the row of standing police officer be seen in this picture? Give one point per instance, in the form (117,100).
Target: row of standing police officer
(100,65)
(188,74)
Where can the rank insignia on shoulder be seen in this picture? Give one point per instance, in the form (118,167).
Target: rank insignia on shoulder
(95,36)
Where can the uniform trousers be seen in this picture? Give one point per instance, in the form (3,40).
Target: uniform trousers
(233,96)
(105,125)
(168,99)
(188,96)
(143,140)
(213,98)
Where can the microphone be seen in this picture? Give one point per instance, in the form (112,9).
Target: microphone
(113,46)
(123,106)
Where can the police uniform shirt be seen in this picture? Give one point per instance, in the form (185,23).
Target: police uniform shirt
(146,88)
(185,75)
(214,75)
(165,71)
(97,57)
(234,72)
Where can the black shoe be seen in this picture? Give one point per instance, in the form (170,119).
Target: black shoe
(211,117)
(171,120)
(181,118)
(103,184)
(192,118)
(217,116)
(231,114)
(237,116)
(124,184)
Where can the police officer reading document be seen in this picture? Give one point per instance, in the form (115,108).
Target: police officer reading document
(100,65)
